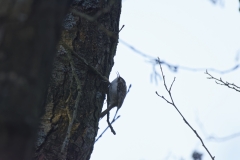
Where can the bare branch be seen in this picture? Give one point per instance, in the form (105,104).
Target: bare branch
(129,87)
(172,84)
(174,68)
(173,104)
(106,129)
(221,82)
(213,137)
(225,138)
(164,98)
(121,28)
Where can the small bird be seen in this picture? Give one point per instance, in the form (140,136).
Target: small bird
(116,94)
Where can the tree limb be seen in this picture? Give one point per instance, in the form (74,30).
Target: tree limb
(173,104)
(221,82)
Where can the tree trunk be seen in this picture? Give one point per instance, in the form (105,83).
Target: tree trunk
(29,33)
(77,88)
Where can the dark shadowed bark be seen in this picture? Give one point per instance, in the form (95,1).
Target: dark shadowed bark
(29,33)
(76,91)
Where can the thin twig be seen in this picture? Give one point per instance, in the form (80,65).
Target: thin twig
(172,67)
(121,28)
(129,87)
(106,129)
(115,114)
(173,104)
(213,137)
(221,82)
(225,138)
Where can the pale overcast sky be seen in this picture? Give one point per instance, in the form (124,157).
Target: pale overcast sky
(191,33)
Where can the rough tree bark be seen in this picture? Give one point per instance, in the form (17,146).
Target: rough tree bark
(76,91)
(29,33)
